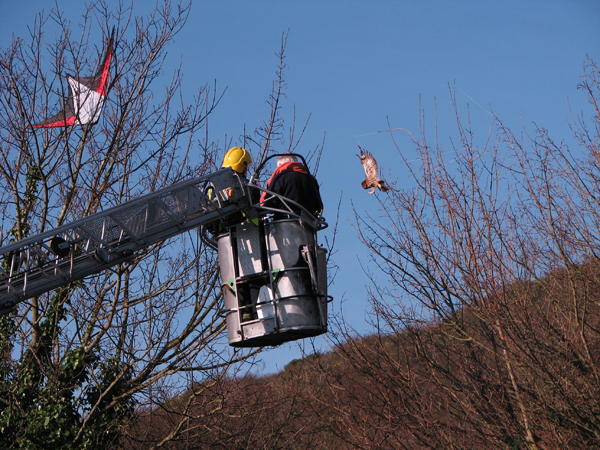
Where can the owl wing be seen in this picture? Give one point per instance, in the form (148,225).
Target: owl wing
(369,164)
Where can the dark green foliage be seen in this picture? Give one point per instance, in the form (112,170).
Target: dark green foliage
(46,402)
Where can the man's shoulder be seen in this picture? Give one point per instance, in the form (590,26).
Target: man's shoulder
(286,175)
(295,174)
(296,178)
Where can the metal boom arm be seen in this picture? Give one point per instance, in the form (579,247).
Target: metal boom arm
(71,252)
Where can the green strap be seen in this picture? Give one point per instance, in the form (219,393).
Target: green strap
(275,274)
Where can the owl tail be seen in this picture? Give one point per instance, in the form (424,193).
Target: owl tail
(381,185)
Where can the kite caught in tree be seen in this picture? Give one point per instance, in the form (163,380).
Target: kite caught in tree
(86,96)
(371,170)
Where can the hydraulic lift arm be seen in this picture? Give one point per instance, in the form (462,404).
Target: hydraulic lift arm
(87,246)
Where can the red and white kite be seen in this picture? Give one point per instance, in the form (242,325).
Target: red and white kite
(86,96)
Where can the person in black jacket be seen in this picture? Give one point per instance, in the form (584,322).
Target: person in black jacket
(292,180)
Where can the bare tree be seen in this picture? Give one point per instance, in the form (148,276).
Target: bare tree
(237,409)
(486,299)
(273,129)
(76,363)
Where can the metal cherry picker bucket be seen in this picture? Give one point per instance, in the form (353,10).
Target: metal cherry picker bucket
(274,278)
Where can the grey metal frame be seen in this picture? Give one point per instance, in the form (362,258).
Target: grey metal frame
(99,241)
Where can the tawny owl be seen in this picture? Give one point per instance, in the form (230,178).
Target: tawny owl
(371,170)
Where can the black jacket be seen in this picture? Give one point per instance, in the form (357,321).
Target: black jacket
(299,187)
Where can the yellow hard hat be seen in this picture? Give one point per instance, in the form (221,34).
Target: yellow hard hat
(237,158)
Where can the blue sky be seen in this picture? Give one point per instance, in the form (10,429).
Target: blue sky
(354,65)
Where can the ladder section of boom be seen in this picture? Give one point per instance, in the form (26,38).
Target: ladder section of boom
(87,246)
